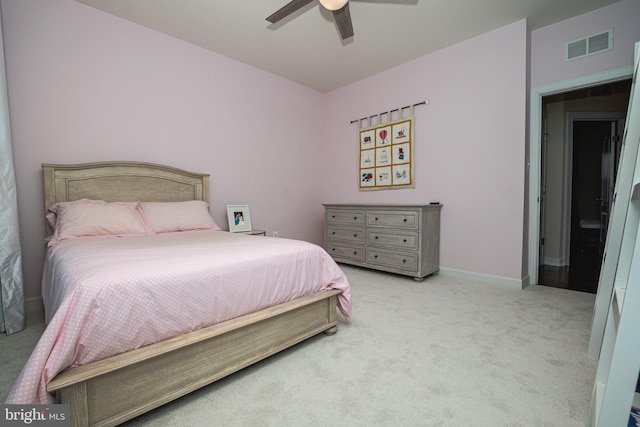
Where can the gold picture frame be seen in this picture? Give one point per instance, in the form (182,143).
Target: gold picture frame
(387,156)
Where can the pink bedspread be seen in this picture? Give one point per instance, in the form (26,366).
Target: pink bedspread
(114,294)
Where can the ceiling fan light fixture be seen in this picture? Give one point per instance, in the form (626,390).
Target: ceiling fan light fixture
(333,4)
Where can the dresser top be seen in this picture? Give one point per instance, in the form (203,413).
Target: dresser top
(381,205)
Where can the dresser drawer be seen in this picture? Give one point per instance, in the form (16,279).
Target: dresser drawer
(400,239)
(402,219)
(344,216)
(350,252)
(348,234)
(399,260)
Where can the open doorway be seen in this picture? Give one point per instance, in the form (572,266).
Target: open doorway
(581,131)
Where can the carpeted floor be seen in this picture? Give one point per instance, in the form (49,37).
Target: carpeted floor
(444,352)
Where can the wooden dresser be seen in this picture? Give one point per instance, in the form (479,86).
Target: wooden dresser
(403,239)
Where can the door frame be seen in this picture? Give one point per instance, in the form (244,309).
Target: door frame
(534,163)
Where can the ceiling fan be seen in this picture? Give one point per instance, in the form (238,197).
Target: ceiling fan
(340,9)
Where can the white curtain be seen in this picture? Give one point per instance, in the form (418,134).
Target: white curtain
(12,318)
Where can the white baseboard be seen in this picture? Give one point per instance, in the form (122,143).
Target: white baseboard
(507,282)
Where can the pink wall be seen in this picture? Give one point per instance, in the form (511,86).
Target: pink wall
(85,86)
(469,143)
(547,44)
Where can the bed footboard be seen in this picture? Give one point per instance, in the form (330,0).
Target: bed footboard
(116,389)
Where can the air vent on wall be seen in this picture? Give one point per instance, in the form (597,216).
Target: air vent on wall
(587,46)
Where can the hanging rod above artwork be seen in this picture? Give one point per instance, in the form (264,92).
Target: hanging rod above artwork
(388,112)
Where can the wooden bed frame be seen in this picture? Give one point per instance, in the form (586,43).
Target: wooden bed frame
(113,390)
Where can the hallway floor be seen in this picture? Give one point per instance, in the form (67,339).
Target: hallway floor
(581,274)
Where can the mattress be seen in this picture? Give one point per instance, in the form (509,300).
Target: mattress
(107,295)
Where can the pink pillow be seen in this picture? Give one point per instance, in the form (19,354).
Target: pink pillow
(164,217)
(83,218)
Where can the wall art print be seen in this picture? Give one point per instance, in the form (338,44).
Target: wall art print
(386,155)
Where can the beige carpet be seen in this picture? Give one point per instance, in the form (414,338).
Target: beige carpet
(443,352)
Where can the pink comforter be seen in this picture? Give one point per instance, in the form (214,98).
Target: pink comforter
(107,295)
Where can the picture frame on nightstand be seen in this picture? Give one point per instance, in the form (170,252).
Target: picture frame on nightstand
(239,218)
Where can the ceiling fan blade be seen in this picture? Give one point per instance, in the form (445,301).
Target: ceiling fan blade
(343,20)
(287,10)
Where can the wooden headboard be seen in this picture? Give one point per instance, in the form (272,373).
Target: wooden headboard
(122,182)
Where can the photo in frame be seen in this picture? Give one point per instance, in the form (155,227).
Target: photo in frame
(386,155)
(383,136)
(401,132)
(383,176)
(366,177)
(401,174)
(383,156)
(401,153)
(366,158)
(239,218)
(367,140)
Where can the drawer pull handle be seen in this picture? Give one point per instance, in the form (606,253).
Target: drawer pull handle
(376,219)
(333,232)
(355,218)
(404,260)
(355,235)
(404,241)
(376,237)
(355,252)
(375,256)
(333,216)
(405,220)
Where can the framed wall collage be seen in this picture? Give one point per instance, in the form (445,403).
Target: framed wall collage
(386,155)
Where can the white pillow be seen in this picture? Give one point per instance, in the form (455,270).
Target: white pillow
(163,217)
(83,218)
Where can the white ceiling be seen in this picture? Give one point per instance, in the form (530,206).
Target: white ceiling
(306,47)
